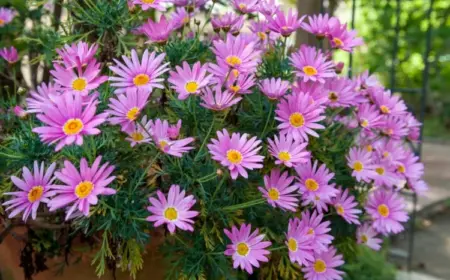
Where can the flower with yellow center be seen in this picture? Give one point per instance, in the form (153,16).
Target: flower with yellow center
(311,185)
(296,119)
(133,113)
(386,154)
(2,22)
(379,170)
(309,70)
(401,168)
(262,36)
(73,126)
(235,88)
(35,193)
(310,231)
(292,245)
(369,148)
(320,266)
(137,136)
(235,73)
(274,194)
(84,189)
(364,123)
(242,249)
(233,60)
(234,156)
(338,42)
(243,7)
(141,79)
(333,97)
(163,144)
(191,86)
(384,109)
(148,1)
(383,210)
(339,209)
(171,214)
(79,84)
(364,238)
(358,166)
(284,156)
(285,28)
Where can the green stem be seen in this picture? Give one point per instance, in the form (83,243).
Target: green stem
(277,248)
(268,120)
(285,47)
(218,188)
(206,138)
(207,177)
(208,15)
(244,205)
(147,169)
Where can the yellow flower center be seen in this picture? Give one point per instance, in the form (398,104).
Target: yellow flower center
(262,36)
(163,144)
(297,120)
(133,113)
(285,28)
(333,97)
(309,70)
(401,168)
(234,156)
(35,193)
(73,126)
(141,79)
(2,22)
(369,148)
(364,238)
(383,210)
(340,210)
(320,266)
(358,166)
(385,154)
(233,60)
(384,109)
(235,88)
(379,170)
(79,84)
(171,213)
(137,136)
(311,185)
(242,249)
(338,42)
(274,194)
(292,245)
(310,231)
(242,6)
(284,156)
(235,73)
(148,1)
(364,123)
(185,20)
(191,87)
(84,189)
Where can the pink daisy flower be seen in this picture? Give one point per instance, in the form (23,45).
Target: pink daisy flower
(67,121)
(157,32)
(180,17)
(44,94)
(315,90)
(316,230)
(346,207)
(360,161)
(365,80)
(174,130)
(217,99)
(34,189)
(341,38)
(150,4)
(288,151)
(314,186)
(341,92)
(10,54)
(418,186)
(79,81)
(245,6)
(6,16)
(186,81)
(83,187)
(161,137)
(369,117)
(140,133)
(226,22)
(389,151)
(236,152)
(387,210)
(237,54)
(126,108)
(247,249)
(312,65)
(20,112)
(299,243)
(80,54)
(261,29)
(413,126)
(410,166)
(366,235)
(324,266)
(173,210)
(389,104)
(385,174)
(136,74)
(299,116)
(318,25)
(394,127)
(241,84)
(274,88)
(285,24)
(278,190)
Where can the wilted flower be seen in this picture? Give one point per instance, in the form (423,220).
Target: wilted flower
(10,54)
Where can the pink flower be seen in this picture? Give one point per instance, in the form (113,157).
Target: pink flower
(317,230)
(413,126)
(186,81)
(389,104)
(418,186)
(285,24)
(366,235)
(241,84)
(75,55)
(318,25)
(369,117)
(346,207)
(341,38)
(245,6)
(150,4)
(173,210)
(394,127)
(217,99)
(42,96)
(385,174)
(314,186)
(268,7)
(126,108)
(68,121)
(298,116)
(279,191)
(299,243)
(315,90)
(179,17)
(162,139)
(20,112)
(311,65)
(34,189)
(136,74)
(141,133)
(227,21)
(174,130)
(83,187)
(387,210)
(236,152)
(158,32)
(10,54)
(410,166)
(274,88)
(360,161)
(324,266)
(261,29)
(288,151)
(341,92)
(6,16)
(247,249)
(81,81)
(364,81)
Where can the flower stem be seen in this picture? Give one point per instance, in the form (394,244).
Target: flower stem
(268,120)
(244,205)
(206,138)
(147,169)
(277,248)
(207,177)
